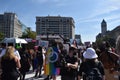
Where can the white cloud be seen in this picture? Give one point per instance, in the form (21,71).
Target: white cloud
(46,1)
(58,3)
(104,7)
(113,17)
(89,20)
(104,10)
(98,19)
(40,1)
(115,1)
(113,24)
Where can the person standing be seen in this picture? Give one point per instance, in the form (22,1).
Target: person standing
(39,57)
(9,64)
(25,62)
(74,44)
(69,71)
(3,46)
(33,58)
(4,49)
(91,67)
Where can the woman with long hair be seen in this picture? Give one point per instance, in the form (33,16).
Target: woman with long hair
(74,44)
(9,64)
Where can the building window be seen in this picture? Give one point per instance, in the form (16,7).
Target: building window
(38,20)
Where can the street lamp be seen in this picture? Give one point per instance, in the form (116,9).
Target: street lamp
(47,33)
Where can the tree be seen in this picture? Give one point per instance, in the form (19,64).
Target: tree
(106,38)
(29,34)
(1,36)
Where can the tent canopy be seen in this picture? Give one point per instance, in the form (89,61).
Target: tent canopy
(14,40)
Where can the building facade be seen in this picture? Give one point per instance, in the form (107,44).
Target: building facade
(10,26)
(55,25)
(24,27)
(103,27)
(109,35)
(78,39)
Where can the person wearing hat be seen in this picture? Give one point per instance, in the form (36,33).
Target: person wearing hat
(90,62)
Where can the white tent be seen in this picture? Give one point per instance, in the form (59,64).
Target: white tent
(14,40)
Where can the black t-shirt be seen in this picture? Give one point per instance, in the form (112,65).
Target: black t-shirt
(25,63)
(39,57)
(8,65)
(9,70)
(85,66)
(65,71)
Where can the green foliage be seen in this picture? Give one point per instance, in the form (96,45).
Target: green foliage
(29,34)
(106,38)
(1,36)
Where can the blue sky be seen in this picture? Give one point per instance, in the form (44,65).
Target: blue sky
(87,14)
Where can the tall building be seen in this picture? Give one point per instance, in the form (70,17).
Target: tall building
(103,27)
(55,25)
(24,27)
(78,39)
(10,26)
(77,36)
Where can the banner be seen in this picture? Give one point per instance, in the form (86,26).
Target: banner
(51,57)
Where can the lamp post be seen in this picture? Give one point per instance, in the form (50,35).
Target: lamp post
(47,33)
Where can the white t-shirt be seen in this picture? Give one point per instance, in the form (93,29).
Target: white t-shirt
(2,52)
(15,52)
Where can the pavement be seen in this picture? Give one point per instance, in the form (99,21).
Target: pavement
(30,76)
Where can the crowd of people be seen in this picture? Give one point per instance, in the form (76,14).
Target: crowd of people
(73,64)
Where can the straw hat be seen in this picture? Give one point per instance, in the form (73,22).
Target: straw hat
(90,54)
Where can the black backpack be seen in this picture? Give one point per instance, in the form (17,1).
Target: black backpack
(93,73)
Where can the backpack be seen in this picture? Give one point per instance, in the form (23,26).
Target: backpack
(93,73)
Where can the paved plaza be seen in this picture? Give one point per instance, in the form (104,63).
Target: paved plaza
(30,76)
